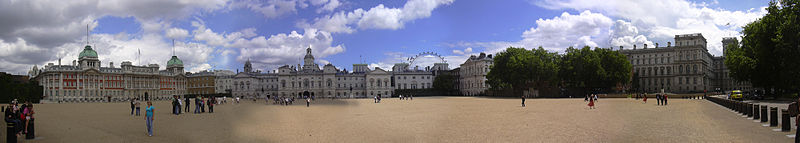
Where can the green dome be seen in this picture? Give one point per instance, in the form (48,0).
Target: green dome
(174,61)
(88,52)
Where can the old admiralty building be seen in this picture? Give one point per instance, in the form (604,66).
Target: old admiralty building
(85,80)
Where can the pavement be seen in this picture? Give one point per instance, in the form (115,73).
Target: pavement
(424,119)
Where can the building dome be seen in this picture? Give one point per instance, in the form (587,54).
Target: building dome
(88,52)
(174,61)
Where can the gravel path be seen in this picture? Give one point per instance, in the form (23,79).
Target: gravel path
(428,119)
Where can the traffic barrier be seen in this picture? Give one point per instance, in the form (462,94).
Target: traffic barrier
(785,122)
(11,136)
(773,116)
(764,114)
(756,111)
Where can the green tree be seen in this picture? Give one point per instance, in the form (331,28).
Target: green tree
(517,69)
(444,83)
(589,69)
(769,54)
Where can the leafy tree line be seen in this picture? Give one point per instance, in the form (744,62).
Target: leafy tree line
(11,88)
(588,69)
(769,56)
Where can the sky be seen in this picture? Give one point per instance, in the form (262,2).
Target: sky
(223,34)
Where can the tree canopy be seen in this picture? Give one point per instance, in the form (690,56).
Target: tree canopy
(518,68)
(769,56)
(598,68)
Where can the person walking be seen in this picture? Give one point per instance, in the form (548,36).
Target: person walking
(138,106)
(308,102)
(523,101)
(586,98)
(644,98)
(149,117)
(591,104)
(133,106)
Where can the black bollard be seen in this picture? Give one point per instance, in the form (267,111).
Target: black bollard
(31,132)
(785,123)
(764,114)
(11,136)
(773,116)
(748,108)
(756,111)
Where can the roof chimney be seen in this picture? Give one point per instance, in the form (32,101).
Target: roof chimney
(645,46)
(669,44)
(656,45)
(634,46)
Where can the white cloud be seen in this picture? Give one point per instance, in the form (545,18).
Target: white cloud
(57,27)
(378,17)
(329,6)
(288,48)
(659,21)
(177,33)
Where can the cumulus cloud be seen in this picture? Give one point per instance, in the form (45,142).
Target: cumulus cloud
(558,33)
(286,48)
(58,27)
(378,17)
(659,21)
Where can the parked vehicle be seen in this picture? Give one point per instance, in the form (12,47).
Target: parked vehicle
(736,95)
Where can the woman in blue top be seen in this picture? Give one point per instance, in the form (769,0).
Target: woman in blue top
(149,112)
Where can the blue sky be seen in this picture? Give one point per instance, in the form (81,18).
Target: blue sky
(221,34)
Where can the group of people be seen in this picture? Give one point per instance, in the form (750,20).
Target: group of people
(201,103)
(662,99)
(135,104)
(591,98)
(377,99)
(20,115)
(283,100)
(408,97)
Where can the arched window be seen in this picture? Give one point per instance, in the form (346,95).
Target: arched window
(329,82)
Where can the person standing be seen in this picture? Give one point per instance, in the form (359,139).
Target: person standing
(211,102)
(665,99)
(196,105)
(586,98)
(138,106)
(149,117)
(180,104)
(591,104)
(797,119)
(202,104)
(186,99)
(523,100)
(308,102)
(28,115)
(174,105)
(133,106)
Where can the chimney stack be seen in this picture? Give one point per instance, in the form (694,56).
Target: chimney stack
(669,44)
(634,46)
(620,47)
(645,46)
(656,45)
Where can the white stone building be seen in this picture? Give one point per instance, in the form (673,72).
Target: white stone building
(472,74)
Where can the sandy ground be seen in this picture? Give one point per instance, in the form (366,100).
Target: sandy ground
(431,119)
